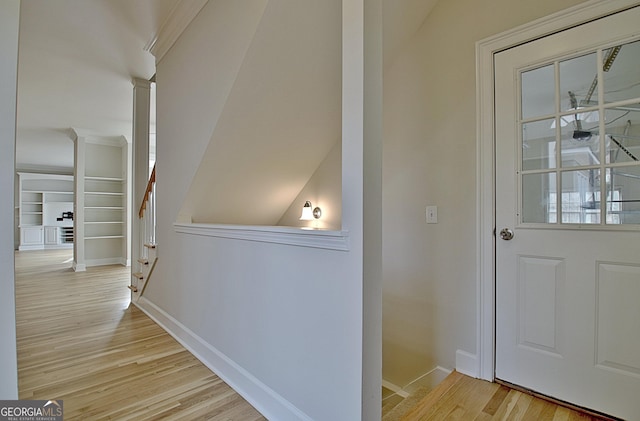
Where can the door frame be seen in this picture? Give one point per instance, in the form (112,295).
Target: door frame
(485,158)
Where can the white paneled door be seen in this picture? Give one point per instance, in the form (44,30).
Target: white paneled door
(568,215)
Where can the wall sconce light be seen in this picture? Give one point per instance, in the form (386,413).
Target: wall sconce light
(309,213)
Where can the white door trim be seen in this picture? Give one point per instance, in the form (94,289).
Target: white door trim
(485,152)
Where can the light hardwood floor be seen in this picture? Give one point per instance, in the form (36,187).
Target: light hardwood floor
(81,341)
(460,397)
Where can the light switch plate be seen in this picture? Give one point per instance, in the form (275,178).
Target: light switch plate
(432,214)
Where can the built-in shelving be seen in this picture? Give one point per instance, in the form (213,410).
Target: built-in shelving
(104,208)
(101,169)
(45,210)
(30,208)
(66,235)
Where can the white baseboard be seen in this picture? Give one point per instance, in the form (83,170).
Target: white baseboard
(467,364)
(79,267)
(58,246)
(395,389)
(430,380)
(27,248)
(262,397)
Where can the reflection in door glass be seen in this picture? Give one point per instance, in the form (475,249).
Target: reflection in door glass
(623,195)
(594,118)
(578,83)
(538,145)
(581,196)
(538,92)
(579,151)
(621,72)
(623,134)
(539,198)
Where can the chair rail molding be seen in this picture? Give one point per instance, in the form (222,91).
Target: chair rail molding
(323,239)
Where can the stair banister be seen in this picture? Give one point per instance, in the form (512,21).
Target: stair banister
(147,240)
(147,192)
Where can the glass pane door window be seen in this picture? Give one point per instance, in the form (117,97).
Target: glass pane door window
(579,133)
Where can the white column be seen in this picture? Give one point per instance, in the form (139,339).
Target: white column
(79,264)
(141,119)
(362,177)
(372,212)
(9,25)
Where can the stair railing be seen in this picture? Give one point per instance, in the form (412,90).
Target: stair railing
(149,190)
(147,237)
(148,212)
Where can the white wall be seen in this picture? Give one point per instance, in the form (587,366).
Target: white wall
(284,325)
(324,190)
(9,23)
(429,302)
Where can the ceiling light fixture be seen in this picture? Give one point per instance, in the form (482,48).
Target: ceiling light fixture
(578,134)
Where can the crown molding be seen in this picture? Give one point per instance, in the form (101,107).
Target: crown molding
(179,18)
(91,136)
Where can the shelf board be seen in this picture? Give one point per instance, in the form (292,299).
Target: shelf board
(104,237)
(102,222)
(32,213)
(48,191)
(97,178)
(104,193)
(32,203)
(105,207)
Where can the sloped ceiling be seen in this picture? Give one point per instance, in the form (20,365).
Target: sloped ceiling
(280,120)
(77,58)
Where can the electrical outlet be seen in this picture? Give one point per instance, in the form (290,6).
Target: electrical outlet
(432,214)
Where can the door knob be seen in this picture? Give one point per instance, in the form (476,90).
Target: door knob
(506,234)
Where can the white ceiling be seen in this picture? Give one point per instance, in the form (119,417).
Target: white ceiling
(76,62)
(77,59)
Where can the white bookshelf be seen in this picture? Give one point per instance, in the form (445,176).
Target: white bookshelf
(102,204)
(45,203)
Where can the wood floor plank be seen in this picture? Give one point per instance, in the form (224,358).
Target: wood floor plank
(425,405)
(475,399)
(518,407)
(80,340)
(539,409)
(496,400)
(561,414)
